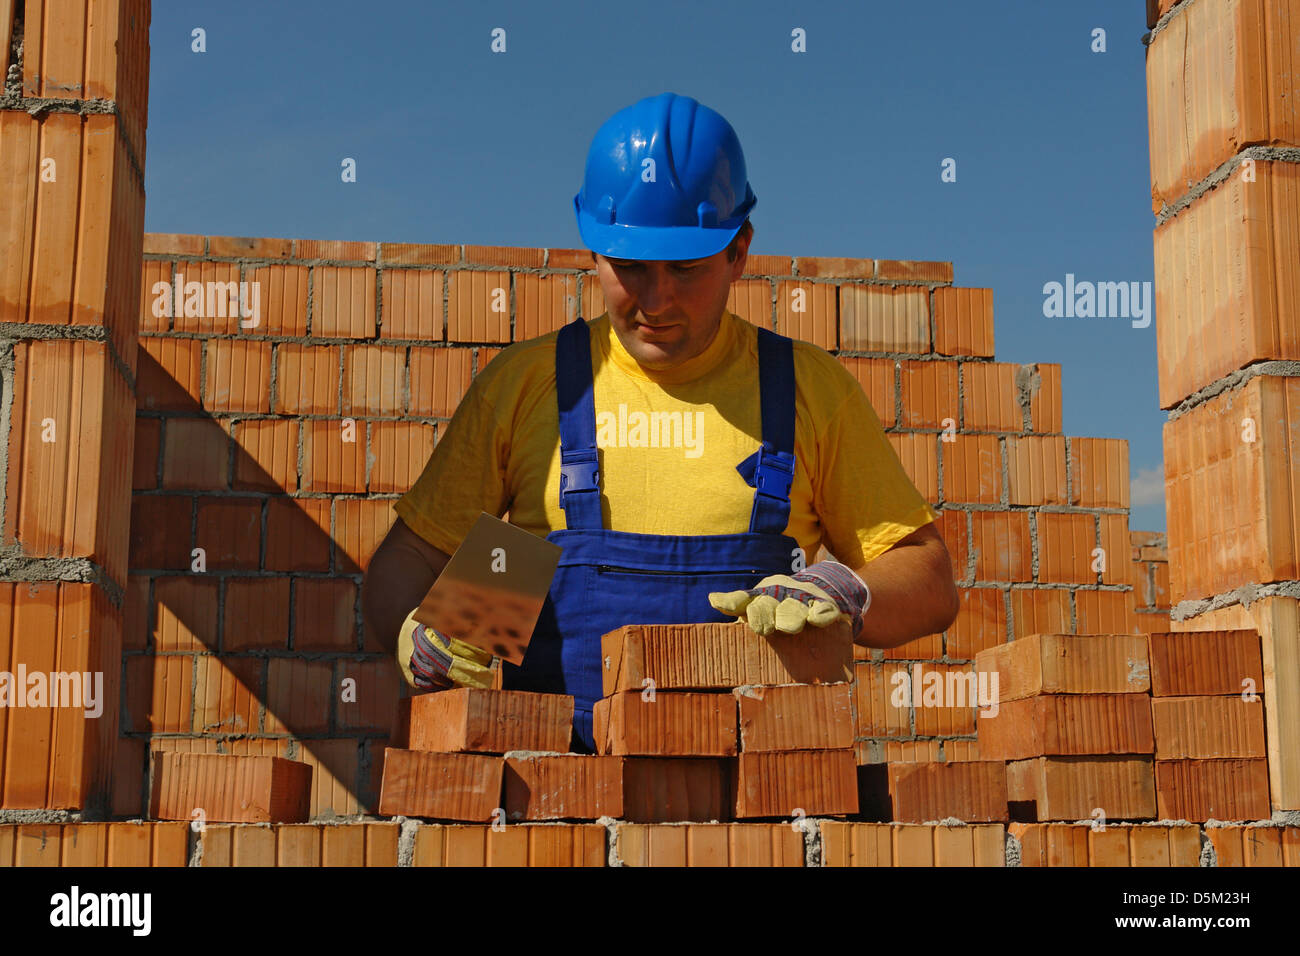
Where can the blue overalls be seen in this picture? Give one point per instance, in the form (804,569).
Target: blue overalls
(607,579)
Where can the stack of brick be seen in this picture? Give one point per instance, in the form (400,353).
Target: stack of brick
(453,764)
(1073,722)
(1150,580)
(75,80)
(1208,709)
(1225,187)
(764,725)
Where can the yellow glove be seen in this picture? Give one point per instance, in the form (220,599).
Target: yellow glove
(431,661)
(819,595)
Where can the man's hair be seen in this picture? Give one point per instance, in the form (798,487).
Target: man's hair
(732,250)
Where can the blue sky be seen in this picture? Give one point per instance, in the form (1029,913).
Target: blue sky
(843,143)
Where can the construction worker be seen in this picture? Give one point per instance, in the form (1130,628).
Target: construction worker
(689,464)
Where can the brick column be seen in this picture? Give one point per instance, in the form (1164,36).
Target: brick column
(1223,92)
(72,121)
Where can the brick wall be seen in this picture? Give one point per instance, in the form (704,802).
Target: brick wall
(72,151)
(1225,186)
(279,448)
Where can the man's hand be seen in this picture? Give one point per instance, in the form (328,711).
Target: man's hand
(437,662)
(819,595)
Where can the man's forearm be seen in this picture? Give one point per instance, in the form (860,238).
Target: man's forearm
(396,581)
(912,594)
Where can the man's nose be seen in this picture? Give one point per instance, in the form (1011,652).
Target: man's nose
(656,288)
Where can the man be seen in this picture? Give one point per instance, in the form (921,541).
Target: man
(704,460)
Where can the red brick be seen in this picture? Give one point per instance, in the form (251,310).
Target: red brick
(281,292)
(1200,790)
(447,786)
(160,532)
(1042,381)
(1252,534)
(919,457)
(972,791)
(368,702)
(709,844)
(248,247)
(525,256)
(1105,612)
(418,254)
(875,689)
(238,376)
(835,267)
(915,270)
(337,787)
(1190,663)
(1065,546)
(144,473)
(298,534)
(963,322)
(722,656)
(972,469)
(185,613)
(343,303)
(1068,664)
(876,376)
(677,789)
(544,304)
(563,787)
(473,301)
(515,846)
(196,455)
(228,693)
(359,526)
(1001,544)
(1208,727)
(929,394)
(819,782)
(229,530)
(1036,470)
(439,380)
(951,526)
(487,721)
(1068,725)
(324,614)
(807,311)
(981,622)
(1070,788)
(256,614)
(164,243)
(665,725)
(991,401)
(334,456)
(412,305)
(307,379)
(1051,844)
(879,318)
(298,696)
(944,697)
(872,844)
(1099,473)
(768,265)
(374,380)
(398,454)
(137,613)
(266,456)
(209,301)
(158,695)
(1255,845)
(337,249)
(796,717)
(928,648)
(229,789)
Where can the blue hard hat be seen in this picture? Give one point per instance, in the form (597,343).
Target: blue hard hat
(665,179)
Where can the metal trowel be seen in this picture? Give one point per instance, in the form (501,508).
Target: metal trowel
(492,590)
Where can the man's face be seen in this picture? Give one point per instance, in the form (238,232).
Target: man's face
(665,312)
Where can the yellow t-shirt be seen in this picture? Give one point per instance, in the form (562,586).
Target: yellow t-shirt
(669,445)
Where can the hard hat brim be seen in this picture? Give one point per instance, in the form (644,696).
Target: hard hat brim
(665,243)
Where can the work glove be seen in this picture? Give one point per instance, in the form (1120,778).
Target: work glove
(430,660)
(819,595)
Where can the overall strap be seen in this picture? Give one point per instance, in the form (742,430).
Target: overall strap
(771,469)
(579,465)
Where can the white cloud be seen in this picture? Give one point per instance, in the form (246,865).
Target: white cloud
(1147,487)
